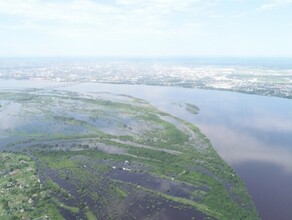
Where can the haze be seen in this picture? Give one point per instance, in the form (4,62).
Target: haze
(146,28)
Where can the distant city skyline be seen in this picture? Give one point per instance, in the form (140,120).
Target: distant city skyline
(129,28)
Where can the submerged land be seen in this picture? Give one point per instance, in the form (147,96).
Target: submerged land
(67,155)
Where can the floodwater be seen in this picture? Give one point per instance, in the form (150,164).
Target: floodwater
(252,133)
(155,183)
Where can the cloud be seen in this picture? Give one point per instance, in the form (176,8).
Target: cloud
(91,12)
(273,4)
(101,27)
(170,5)
(78,11)
(90,19)
(87,16)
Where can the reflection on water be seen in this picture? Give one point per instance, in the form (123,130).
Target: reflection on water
(271,187)
(252,133)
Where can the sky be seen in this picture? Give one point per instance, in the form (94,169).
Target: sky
(146,28)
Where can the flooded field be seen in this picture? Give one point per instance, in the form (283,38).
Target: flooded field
(252,133)
(122,159)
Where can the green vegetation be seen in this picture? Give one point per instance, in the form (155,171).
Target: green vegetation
(121,193)
(22,196)
(192,108)
(90,215)
(104,157)
(69,208)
